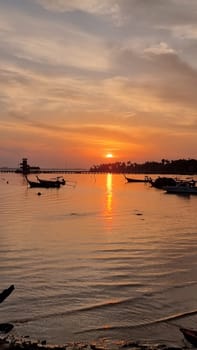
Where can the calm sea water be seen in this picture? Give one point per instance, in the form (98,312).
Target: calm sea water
(97,258)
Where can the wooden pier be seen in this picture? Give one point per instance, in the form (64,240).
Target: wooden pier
(48,171)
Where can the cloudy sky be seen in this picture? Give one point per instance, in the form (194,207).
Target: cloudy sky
(83,78)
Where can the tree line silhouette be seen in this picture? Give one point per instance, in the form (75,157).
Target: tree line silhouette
(165,166)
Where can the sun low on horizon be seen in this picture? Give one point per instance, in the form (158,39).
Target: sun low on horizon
(109,155)
(83,83)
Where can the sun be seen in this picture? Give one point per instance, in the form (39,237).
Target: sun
(109,155)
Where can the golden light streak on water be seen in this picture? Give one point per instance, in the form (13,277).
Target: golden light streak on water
(109,193)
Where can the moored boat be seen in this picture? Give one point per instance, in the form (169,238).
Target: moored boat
(47,184)
(6,293)
(5,327)
(182,187)
(161,182)
(190,335)
(129,179)
(58,180)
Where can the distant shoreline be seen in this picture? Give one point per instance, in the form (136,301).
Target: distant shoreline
(83,171)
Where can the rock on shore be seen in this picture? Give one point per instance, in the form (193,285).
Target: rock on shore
(13,343)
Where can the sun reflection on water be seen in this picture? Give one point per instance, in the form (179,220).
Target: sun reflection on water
(109,194)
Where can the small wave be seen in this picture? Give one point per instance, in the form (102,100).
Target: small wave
(141,298)
(73,311)
(141,325)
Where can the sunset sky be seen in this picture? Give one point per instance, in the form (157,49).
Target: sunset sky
(83,79)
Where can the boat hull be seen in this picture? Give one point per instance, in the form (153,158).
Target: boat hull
(182,187)
(129,179)
(177,191)
(41,185)
(48,184)
(6,328)
(190,335)
(51,183)
(162,182)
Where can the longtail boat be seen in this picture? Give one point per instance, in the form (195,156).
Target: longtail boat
(58,180)
(130,179)
(48,184)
